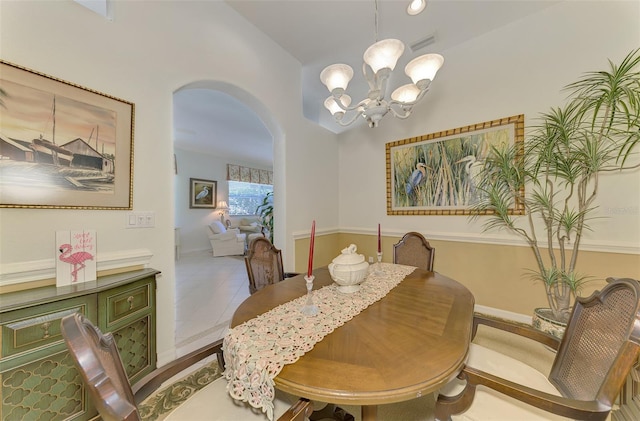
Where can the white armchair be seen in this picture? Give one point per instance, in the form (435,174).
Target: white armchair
(225,242)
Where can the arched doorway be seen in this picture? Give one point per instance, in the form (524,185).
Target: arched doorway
(218,124)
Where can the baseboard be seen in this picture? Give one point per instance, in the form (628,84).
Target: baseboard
(166,357)
(503,314)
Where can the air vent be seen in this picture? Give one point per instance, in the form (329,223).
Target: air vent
(428,40)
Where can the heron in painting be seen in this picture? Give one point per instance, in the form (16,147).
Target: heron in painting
(417,176)
(473,168)
(203,193)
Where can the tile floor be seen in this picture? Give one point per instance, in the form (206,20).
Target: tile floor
(208,291)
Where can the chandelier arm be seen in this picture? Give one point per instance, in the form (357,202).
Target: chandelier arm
(348,122)
(407,111)
(343,108)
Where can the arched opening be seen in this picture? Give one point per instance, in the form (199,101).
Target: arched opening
(216,124)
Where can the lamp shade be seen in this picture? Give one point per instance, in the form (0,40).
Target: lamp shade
(406,93)
(336,76)
(424,67)
(332,105)
(222,205)
(384,54)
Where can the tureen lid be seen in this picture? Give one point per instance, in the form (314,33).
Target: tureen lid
(348,256)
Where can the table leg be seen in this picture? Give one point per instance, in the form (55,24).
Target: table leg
(369,412)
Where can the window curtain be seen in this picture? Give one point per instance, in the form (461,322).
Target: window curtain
(249,175)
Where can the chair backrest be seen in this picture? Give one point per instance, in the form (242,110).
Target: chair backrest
(264,264)
(101,368)
(414,250)
(600,344)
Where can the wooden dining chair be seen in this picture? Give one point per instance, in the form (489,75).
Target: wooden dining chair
(98,361)
(264,264)
(600,346)
(414,250)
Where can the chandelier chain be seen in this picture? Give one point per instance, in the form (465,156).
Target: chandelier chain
(376,19)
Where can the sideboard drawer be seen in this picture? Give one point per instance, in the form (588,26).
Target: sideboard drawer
(30,328)
(125,301)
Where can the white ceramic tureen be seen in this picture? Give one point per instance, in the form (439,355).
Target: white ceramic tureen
(349,269)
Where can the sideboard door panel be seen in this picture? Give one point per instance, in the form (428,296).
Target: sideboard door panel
(129,313)
(48,388)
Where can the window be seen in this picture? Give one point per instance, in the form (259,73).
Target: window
(244,198)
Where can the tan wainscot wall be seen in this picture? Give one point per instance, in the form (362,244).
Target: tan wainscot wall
(496,274)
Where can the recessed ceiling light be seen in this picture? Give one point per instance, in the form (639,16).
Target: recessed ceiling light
(416,6)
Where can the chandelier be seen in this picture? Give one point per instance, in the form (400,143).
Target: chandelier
(379,61)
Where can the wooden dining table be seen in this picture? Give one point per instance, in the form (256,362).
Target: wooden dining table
(406,345)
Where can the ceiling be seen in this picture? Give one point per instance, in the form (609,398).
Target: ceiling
(322,32)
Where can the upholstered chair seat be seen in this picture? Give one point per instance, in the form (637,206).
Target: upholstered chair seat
(486,400)
(215,400)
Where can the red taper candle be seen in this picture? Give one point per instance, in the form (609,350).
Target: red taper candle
(311,245)
(379,248)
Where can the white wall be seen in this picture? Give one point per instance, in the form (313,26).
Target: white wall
(147,52)
(518,69)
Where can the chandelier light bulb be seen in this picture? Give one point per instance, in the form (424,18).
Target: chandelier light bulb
(332,105)
(336,76)
(406,93)
(383,54)
(424,68)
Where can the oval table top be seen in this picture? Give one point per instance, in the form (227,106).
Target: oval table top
(408,344)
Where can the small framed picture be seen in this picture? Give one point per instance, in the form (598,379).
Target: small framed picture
(202,193)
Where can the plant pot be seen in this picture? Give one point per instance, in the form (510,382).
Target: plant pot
(543,320)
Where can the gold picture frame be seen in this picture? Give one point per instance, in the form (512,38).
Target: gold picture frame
(431,174)
(63,146)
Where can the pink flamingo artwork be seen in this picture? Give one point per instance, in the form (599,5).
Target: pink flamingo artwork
(76,259)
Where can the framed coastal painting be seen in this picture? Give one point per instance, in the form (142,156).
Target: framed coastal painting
(202,193)
(62,145)
(433,174)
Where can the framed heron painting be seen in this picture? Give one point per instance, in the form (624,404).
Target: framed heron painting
(437,173)
(202,193)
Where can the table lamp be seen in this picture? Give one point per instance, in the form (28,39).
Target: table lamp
(222,206)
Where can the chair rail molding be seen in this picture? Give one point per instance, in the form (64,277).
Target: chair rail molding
(37,270)
(488,238)
(297,235)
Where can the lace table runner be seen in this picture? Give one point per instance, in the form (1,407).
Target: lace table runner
(257,350)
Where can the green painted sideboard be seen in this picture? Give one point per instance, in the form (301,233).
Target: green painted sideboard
(38,378)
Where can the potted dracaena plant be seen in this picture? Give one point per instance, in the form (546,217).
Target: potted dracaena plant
(265,212)
(565,155)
